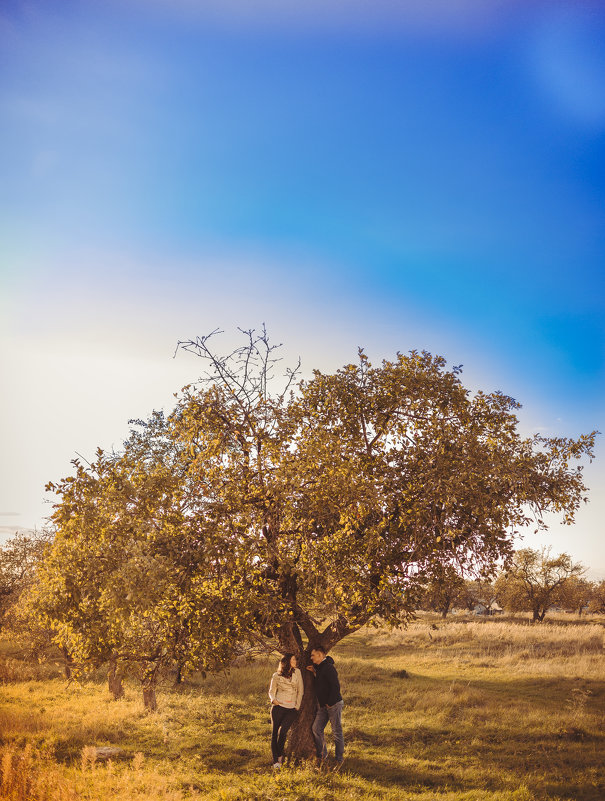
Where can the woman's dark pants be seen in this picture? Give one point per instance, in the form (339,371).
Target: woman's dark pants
(282,719)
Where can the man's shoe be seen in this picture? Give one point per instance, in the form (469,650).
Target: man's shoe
(320,763)
(276,765)
(338,766)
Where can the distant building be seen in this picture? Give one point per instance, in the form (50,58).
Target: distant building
(491,608)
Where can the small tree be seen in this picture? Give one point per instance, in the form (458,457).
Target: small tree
(535,581)
(478,591)
(577,594)
(597,602)
(445,588)
(19,558)
(471,594)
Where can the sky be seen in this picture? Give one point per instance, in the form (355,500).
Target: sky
(426,174)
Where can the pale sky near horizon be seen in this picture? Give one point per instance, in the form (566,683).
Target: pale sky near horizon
(420,175)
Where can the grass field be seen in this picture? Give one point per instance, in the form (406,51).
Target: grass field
(463,710)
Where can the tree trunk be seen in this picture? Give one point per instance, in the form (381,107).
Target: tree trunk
(114,679)
(149,682)
(445,609)
(67,662)
(149,698)
(300,742)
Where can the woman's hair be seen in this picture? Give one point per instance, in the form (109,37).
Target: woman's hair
(285,666)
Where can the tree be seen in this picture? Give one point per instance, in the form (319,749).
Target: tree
(535,580)
(577,594)
(132,579)
(19,558)
(597,602)
(332,501)
(479,591)
(361,484)
(445,588)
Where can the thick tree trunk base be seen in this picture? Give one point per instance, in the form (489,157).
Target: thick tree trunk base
(149,699)
(149,681)
(114,681)
(67,662)
(301,745)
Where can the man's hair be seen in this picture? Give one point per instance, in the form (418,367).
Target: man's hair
(319,648)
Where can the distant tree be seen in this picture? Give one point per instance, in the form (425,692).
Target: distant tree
(471,594)
(597,602)
(478,592)
(535,580)
(577,594)
(313,507)
(19,558)
(445,588)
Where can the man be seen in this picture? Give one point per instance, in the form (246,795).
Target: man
(327,690)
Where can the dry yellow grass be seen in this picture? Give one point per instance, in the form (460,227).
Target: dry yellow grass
(559,647)
(489,711)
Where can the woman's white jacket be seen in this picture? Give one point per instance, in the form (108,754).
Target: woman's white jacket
(287,692)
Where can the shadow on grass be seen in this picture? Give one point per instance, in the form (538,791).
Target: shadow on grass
(557,764)
(384,772)
(458,752)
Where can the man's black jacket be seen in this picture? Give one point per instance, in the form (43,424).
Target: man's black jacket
(327,686)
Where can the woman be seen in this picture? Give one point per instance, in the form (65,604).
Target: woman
(286,692)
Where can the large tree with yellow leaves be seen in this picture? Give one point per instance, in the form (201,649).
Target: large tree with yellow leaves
(319,505)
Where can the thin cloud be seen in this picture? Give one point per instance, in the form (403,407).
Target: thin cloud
(568,64)
(463,18)
(13,529)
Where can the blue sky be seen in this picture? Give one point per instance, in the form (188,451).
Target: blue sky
(394,175)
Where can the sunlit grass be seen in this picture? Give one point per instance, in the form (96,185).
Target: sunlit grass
(488,711)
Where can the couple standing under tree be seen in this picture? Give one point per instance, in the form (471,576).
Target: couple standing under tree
(286,692)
